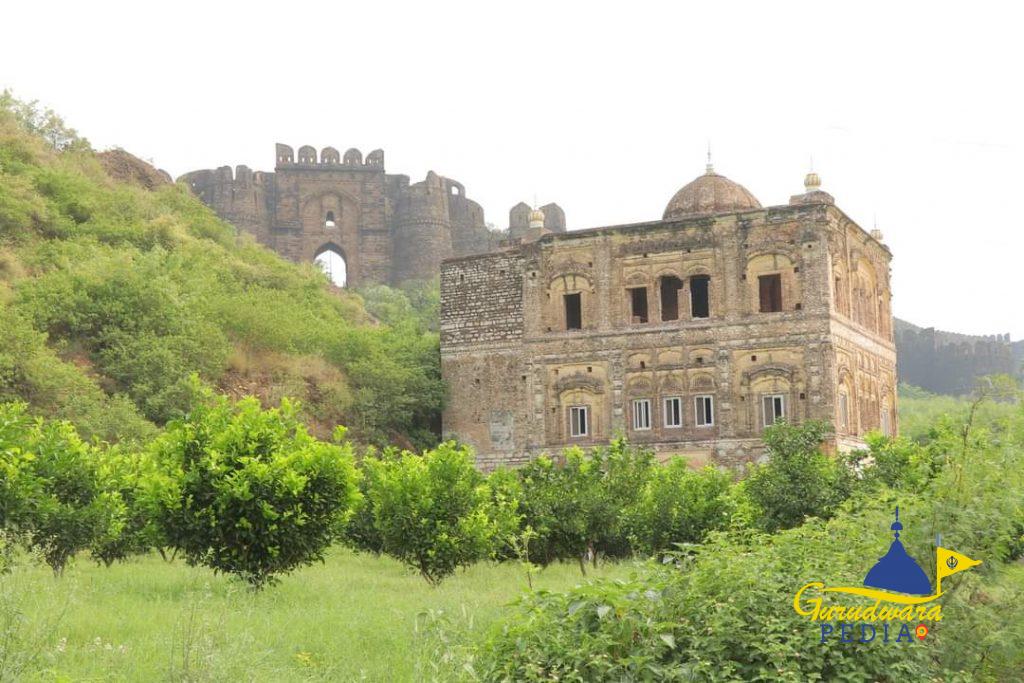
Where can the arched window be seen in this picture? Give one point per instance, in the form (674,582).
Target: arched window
(329,221)
(333,264)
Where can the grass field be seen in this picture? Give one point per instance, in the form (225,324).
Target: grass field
(352,618)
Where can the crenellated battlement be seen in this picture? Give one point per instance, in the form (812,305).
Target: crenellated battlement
(948,362)
(329,158)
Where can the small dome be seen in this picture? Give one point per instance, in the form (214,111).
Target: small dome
(536,218)
(812,183)
(710,194)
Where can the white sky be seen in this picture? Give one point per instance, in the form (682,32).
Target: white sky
(912,113)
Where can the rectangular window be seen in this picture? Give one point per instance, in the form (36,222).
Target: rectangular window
(579,421)
(674,412)
(704,410)
(700,303)
(638,304)
(670,286)
(641,414)
(774,406)
(770,288)
(844,412)
(573,312)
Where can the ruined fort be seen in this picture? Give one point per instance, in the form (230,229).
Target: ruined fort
(690,333)
(950,363)
(386,229)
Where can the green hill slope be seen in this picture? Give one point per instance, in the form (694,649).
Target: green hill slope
(112,294)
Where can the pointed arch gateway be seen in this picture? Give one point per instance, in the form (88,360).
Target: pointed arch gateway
(330,258)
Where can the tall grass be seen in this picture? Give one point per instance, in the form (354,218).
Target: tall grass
(353,618)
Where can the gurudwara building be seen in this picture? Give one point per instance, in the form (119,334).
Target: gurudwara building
(689,334)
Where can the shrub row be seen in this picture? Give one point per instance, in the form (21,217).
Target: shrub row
(250,492)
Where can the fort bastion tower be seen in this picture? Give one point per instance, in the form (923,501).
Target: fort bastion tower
(690,333)
(386,229)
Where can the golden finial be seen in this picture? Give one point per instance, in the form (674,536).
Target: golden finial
(536,218)
(812,181)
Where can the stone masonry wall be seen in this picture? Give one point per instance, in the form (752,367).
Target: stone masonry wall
(387,230)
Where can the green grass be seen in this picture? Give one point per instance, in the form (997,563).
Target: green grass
(352,618)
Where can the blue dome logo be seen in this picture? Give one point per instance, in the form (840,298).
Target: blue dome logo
(899,572)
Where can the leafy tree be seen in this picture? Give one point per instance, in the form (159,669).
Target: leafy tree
(798,481)
(576,507)
(679,505)
(360,531)
(249,492)
(558,504)
(625,470)
(51,491)
(129,475)
(43,122)
(506,493)
(434,511)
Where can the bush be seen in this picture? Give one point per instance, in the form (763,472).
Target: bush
(798,481)
(679,505)
(895,462)
(32,372)
(249,492)
(51,491)
(434,511)
(723,611)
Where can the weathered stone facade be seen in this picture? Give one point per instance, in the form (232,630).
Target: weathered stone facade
(385,228)
(688,334)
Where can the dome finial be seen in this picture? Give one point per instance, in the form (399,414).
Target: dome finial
(812,181)
(875,232)
(709,169)
(896,526)
(536,217)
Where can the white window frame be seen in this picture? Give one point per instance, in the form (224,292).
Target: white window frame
(776,416)
(641,408)
(574,421)
(668,415)
(698,410)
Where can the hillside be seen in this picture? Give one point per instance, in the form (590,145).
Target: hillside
(116,286)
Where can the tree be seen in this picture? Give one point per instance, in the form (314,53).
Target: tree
(51,490)
(576,506)
(434,511)
(130,476)
(43,122)
(249,492)
(558,504)
(679,505)
(798,481)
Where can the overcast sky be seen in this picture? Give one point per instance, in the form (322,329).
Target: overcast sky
(912,113)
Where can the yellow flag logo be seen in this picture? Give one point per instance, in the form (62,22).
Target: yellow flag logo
(949,562)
